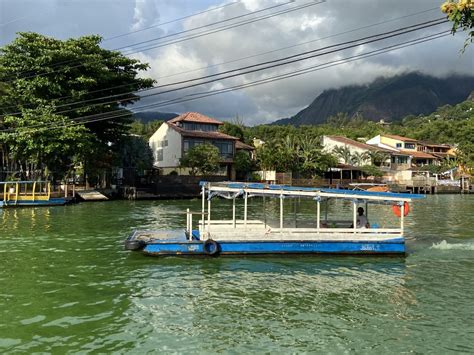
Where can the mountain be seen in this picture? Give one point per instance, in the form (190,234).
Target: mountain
(148,116)
(386,98)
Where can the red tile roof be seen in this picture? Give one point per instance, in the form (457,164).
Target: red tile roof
(201,134)
(357,144)
(417,154)
(400,138)
(194,117)
(240,145)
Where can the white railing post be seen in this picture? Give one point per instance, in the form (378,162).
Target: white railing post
(187,222)
(233,213)
(318,214)
(354,204)
(203,208)
(402,217)
(281,211)
(191,226)
(245,209)
(209,217)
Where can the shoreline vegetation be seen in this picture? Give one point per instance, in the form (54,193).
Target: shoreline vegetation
(65,118)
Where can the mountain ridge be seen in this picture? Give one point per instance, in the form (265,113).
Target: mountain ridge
(386,98)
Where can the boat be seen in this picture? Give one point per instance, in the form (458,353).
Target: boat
(28,194)
(258,237)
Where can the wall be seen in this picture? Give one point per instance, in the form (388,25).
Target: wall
(171,152)
(329,145)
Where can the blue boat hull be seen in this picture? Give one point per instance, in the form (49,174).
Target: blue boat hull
(163,248)
(31,203)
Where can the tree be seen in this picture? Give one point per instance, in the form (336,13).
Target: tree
(243,164)
(203,159)
(359,158)
(43,74)
(232,130)
(377,158)
(371,170)
(312,160)
(57,147)
(344,153)
(461,14)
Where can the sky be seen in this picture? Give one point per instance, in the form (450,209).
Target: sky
(125,23)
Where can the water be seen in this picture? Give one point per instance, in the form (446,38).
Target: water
(67,285)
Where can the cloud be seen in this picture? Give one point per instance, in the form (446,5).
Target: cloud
(332,22)
(145,14)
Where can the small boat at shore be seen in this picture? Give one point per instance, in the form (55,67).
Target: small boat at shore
(258,237)
(28,194)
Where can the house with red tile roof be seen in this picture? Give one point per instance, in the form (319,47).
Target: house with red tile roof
(175,137)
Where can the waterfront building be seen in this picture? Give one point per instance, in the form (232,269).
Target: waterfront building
(175,137)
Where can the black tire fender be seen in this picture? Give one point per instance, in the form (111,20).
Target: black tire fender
(211,247)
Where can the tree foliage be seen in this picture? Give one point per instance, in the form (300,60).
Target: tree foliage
(44,81)
(202,159)
(461,14)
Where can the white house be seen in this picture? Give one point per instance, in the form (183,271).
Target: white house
(175,137)
(332,142)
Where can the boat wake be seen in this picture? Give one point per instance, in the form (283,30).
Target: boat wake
(444,245)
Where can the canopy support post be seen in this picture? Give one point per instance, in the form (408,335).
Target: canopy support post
(245,208)
(318,214)
(203,207)
(233,212)
(281,212)
(354,222)
(402,217)
(208,217)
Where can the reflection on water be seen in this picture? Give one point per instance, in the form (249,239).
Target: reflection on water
(68,286)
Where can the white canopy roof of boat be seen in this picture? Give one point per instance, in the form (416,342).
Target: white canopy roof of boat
(233,189)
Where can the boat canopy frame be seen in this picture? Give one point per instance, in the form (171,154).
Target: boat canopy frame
(232,190)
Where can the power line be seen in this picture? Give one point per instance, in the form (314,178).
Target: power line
(172,21)
(254,55)
(177,41)
(224,28)
(270,64)
(297,45)
(208,25)
(111,115)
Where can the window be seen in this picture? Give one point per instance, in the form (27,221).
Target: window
(226,149)
(191,143)
(399,145)
(162,144)
(159,155)
(199,127)
(409,145)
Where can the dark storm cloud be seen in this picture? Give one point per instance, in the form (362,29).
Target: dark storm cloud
(258,104)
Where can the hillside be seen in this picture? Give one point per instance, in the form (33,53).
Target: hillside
(148,116)
(386,98)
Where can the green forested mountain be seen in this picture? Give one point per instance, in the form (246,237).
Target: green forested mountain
(148,116)
(386,98)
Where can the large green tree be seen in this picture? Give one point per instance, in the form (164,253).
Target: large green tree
(44,83)
(202,159)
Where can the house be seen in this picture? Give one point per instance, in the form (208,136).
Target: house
(354,147)
(175,137)
(406,152)
(358,155)
(440,151)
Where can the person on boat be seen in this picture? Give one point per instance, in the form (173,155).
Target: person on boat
(362,221)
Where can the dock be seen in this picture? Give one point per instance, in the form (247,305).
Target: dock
(91,195)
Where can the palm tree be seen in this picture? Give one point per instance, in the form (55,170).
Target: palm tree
(344,153)
(358,159)
(377,157)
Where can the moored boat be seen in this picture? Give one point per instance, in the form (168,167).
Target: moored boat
(254,237)
(28,194)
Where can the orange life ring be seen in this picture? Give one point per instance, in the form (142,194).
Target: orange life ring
(397,210)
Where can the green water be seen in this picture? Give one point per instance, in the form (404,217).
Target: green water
(67,286)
